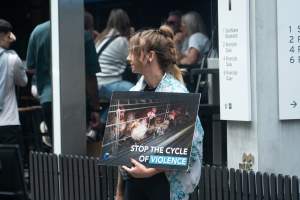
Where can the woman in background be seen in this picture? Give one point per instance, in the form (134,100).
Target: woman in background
(192,42)
(113,44)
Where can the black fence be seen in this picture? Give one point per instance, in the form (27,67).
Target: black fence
(61,177)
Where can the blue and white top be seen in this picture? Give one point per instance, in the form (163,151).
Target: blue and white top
(182,183)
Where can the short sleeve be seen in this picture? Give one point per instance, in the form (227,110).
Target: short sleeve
(91,59)
(199,42)
(30,57)
(20,76)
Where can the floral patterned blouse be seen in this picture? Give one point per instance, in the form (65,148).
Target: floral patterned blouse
(182,183)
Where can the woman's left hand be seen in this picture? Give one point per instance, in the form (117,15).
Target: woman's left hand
(138,170)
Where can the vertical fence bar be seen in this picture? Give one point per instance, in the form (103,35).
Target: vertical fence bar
(295,188)
(232,184)
(103,171)
(41,176)
(61,179)
(238,178)
(86,179)
(280,188)
(287,188)
(115,172)
(225,184)
(273,188)
(81,178)
(64,177)
(266,186)
(75,162)
(245,186)
(259,186)
(201,189)
(252,188)
(213,187)
(97,179)
(92,178)
(71,177)
(50,159)
(32,171)
(46,176)
(56,176)
(207,182)
(110,183)
(219,183)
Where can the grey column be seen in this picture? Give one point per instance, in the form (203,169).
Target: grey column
(68,76)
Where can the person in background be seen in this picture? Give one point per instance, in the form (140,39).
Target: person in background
(38,62)
(89,25)
(12,73)
(152,54)
(112,49)
(193,43)
(174,21)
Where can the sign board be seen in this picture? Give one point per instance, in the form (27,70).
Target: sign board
(288,27)
(234,59)
(153,128)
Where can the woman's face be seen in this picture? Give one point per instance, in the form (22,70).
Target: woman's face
(136,61)
(183,29)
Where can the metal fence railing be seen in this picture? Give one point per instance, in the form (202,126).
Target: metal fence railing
(62,177)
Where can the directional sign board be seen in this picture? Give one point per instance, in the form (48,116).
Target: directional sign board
(288,58)
(234,51)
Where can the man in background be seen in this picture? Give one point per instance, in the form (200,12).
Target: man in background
(174,21)
(12,73)
(38,61)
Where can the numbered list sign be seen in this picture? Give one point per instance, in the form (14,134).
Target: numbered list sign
(288,26)
(234,52)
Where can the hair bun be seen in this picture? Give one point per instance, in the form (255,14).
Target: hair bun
(166,31)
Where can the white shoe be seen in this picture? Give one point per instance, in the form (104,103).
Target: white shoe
(91,135)
(43,127)
(47,141)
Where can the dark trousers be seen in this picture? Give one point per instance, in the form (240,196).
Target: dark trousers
(154,188)
(12,135)
(47,111)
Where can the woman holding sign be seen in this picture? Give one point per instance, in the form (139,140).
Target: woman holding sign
(152,54)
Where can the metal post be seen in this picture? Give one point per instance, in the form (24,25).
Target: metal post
(68,76)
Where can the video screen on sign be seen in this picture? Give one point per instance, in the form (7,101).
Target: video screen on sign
(153,128)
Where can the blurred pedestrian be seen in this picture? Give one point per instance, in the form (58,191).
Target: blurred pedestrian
(193,42)
(12,73)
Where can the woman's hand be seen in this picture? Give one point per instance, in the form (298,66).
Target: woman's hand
(139,170)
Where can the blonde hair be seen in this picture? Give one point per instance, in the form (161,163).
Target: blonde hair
(161,42)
